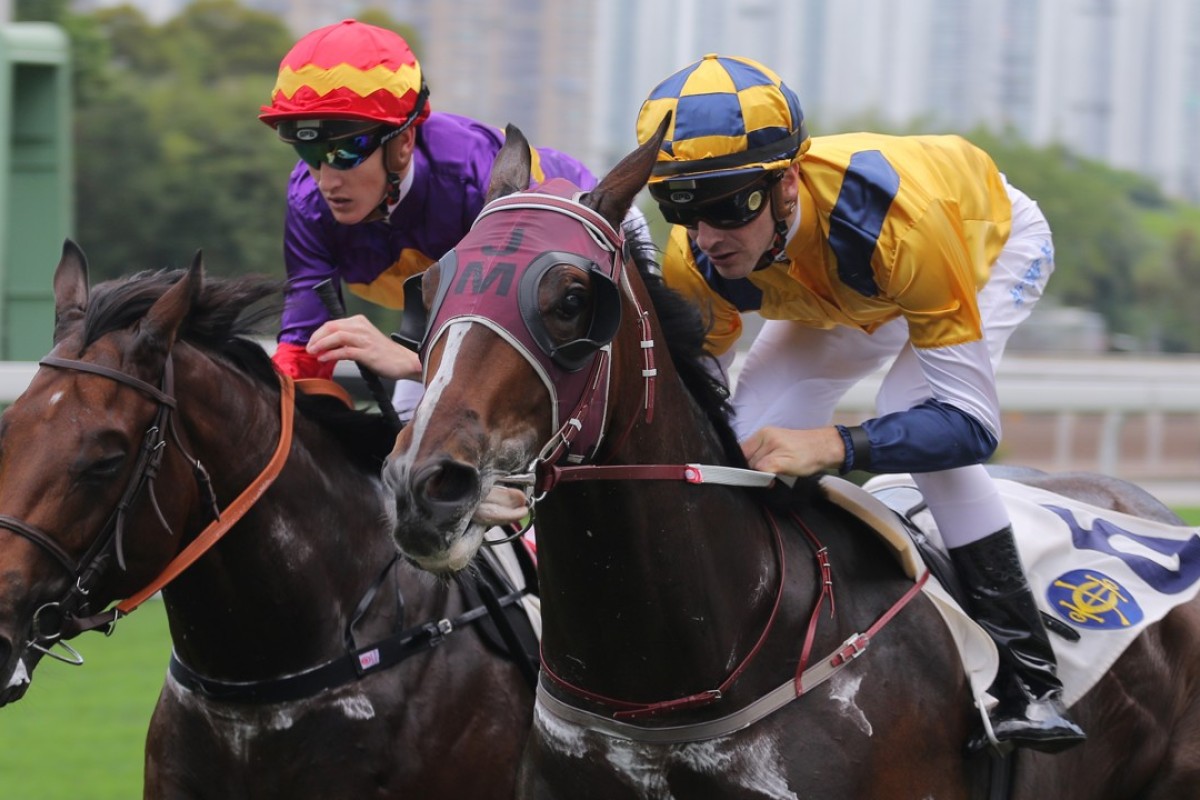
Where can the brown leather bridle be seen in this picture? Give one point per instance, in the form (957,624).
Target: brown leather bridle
(63,619)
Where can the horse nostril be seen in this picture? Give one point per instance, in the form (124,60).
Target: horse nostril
(447,482)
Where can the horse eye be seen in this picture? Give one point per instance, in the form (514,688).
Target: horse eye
(572,304)
(104,469)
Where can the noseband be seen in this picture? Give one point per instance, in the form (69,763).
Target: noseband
(50,619)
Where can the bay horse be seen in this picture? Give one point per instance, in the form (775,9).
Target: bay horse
(701,638)
(304,662)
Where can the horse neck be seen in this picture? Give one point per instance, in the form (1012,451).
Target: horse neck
(698,562)
(283,581)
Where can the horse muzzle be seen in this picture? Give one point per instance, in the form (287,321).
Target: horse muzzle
(18,683)
(435,502)
(15,674)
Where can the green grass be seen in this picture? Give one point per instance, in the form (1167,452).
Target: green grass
(79,733)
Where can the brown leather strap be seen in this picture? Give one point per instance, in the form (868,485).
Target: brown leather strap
(235,510)
(35,535)
(112,374)
(550,475)
(325,387)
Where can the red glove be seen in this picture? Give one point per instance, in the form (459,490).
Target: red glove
(296,361)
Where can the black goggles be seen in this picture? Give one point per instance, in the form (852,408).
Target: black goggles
(345,152)
(687,203)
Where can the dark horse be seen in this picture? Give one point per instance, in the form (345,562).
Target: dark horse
(275,688)
(679,609)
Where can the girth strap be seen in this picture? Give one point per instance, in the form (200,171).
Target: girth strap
(350,667)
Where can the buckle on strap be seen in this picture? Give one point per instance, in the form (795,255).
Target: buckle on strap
(851,649)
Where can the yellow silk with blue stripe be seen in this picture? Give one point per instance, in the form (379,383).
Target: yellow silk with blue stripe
(890,226)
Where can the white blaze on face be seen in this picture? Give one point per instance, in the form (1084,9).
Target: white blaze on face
(464,546)
(455,334)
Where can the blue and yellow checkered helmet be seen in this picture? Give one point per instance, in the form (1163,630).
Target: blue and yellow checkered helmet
(730,116)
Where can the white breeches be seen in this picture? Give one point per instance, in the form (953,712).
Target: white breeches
(794,376)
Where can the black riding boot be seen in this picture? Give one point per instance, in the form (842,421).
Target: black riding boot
(1030,712)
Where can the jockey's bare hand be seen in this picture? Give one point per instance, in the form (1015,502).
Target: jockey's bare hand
(784,451)
(356,339)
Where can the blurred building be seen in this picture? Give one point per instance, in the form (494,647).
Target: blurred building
(1114,80)
(528,62)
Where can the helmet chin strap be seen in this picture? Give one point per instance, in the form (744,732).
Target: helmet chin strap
(391,190)
(780,212)
(391,194)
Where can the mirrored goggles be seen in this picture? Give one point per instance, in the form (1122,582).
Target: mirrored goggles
(343,153)
(686,206)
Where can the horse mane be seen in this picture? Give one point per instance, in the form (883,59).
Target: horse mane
(685,332)
(683,328)
(221,323)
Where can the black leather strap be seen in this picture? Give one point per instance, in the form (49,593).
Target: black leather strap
(858,449)
(342,670)
(861,448)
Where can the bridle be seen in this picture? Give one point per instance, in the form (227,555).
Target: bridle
(47,625)
(538,230)
(56,621)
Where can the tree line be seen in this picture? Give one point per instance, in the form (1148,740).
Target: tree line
(170,158)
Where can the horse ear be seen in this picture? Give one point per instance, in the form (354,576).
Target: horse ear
(513,165)
(613,196)
(162,322)
(70,286)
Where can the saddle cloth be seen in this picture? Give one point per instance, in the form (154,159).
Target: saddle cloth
(1105,575)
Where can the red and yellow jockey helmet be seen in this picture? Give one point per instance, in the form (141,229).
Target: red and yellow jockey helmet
(349,71)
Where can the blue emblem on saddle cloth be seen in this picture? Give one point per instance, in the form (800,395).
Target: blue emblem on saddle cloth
(1090,599)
